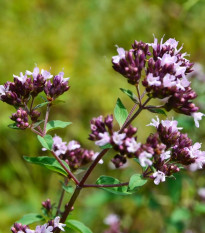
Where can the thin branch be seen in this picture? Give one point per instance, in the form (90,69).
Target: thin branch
(61,198)
(46,119)
(139,96)
(66,169)
(36,132)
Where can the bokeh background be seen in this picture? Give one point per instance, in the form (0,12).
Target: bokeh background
(80,37)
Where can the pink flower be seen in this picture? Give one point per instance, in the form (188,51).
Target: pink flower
(58,224)
(132,145)
(105,138)
(118,138)
(144,159)
(153,81)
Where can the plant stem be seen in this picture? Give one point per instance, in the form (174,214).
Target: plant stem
(46,119)
(36,132)
(61,198)
(90,169)
(66,169)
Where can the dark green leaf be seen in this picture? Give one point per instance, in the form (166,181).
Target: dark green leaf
(49,163)
(46,141)
(132,96)
(56,124)
(107,146)
(41,105)
(108,180)
(77,226)
(157,110)
(13,126)
(136,180)
(30,218)
(120,112)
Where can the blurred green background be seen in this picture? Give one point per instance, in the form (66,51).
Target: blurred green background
(80,37)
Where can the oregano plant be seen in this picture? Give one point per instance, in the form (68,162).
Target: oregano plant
(161,69)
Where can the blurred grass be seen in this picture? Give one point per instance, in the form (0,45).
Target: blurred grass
(79,37)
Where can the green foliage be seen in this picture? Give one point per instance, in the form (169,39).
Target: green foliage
(77,226)
(49,163)
(136,181)
(120,112)
(30,218)
(157,110)
(107,146)
(122,190)
(46,141)
(41,105)
(51,125)
(13,126)
(129,93)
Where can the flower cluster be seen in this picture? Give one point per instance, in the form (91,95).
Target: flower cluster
(113,221)
(165,73)
(124,143)
(72,153)
(49,227)
(26,87)
(169,149)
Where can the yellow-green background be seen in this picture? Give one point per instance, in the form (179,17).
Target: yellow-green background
(79,36)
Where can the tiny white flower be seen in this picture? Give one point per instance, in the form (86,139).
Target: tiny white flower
(144,159)
(105,138)
(153,81)
(169,80)
(61,74)
(173,124)
(194,150)
(154,122)
(197,117)
(199,162)
(167,59)
(22,78)
(165,155)
(132,145)
(182,83)
(94,157)
(59,146)
(159,177)
(118,138)
(172,43)
(72,145)
(29,231)
(58,224)
(111,219)
(121,54)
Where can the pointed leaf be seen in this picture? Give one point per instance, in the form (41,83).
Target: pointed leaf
(136,180)
(129,93)
(107,180)
(30,218)
(46,141)
(77,226)
(41,105)
(68,189)
(157,110)
(106,146)
(120,112)
(13,126)
(49,163)
(56,124)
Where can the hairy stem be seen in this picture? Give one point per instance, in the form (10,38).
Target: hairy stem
(46,119)
(70,174)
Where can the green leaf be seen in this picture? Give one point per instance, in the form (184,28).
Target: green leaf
(120,112)
(106,146)
(49,163)
(46,141)
(157,110)
(129,93)
(103,180)
(68,189)
(13,126)
(136,180)
(30,218)
(41,105)
(77,226)
(56,124)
